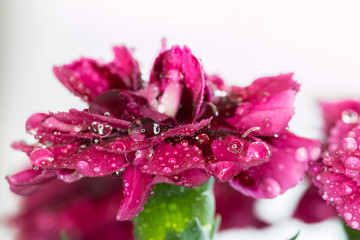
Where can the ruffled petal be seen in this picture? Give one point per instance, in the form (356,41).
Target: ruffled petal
(29,181)
(347,111)
(179,65)
(88,78)
(267,103)
(287,165)
(137,189)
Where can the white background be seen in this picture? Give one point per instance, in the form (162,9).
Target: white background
(240,40)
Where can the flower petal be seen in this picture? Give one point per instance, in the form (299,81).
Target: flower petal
(179,65)
(287,165)
(29,181)
(267,103)
(348,111)
(137,189)
(312,208)
(88,78)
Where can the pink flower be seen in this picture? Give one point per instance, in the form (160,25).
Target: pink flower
(337,173)
(82,210)
(181,128)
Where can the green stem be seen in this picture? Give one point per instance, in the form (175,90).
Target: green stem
(178,213)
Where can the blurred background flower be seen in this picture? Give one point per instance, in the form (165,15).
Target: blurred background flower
(240,41)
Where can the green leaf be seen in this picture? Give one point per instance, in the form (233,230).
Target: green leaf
(351,233)
(295,237)
(63,236)
(174,212)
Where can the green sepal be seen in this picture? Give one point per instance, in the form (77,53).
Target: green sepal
(295,237)
(175,212)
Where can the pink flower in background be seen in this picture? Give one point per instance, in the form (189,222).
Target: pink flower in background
(181,128)
(337,173)
(85,209)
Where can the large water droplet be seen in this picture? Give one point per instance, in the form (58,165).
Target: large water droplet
(354,224)
(143,156)
(349,116)
(203,138)
(143,128)
(82,167)
(41,157)
(258,150)
(301,154)
(352,163)
(167,170)
(100,129)
(349,144)
(119,146)
(347,216)
(235,146)
(271,187)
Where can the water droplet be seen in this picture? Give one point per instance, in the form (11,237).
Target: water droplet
(119,146)
(348,189)
(82,167)
(167,170)
(100,129)
(118,173)
(352,163)
(235,146)
(354,224)
(203,139)
(41,157)
(258,150)
(143,128)
(271,187)
(195,159)
(172,161)
(349,144)
(349,116)
(97,169)
(347,216)
(301,154)
(184,143)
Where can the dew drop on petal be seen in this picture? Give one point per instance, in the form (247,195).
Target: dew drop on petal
(354,224)
(301,154)
(41,157)
(271,187)
(167,170)
(352,163)
(349,116)
(82,167)
(347,216)
(258,150)
(203,138)
(184,143)
(172,161)
(195,159)
(235,146)
(97,169)
(143,128)
(118,146)
(349,144)
(100,129)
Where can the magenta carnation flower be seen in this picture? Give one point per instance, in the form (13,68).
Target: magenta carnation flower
(83,210)
(182,127)
(337,173)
